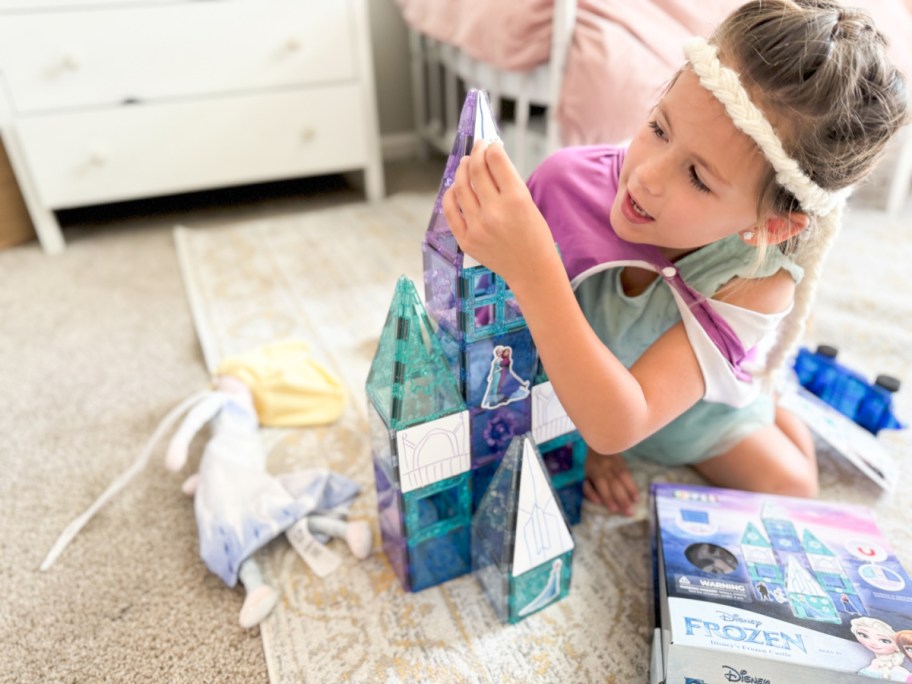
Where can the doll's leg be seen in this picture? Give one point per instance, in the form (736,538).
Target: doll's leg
(190,484)
(778,459)
(356,533)
(261,598)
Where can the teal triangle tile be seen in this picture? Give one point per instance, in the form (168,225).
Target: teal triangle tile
(409,381)
(494,521)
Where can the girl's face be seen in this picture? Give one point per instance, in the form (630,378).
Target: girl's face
(690,177)
(877,644)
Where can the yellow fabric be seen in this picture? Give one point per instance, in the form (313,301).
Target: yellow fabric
(289,388)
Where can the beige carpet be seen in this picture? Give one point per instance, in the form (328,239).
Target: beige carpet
(328,279)
(95,346)
(98,343)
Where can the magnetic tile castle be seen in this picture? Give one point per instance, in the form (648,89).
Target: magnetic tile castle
(477,466)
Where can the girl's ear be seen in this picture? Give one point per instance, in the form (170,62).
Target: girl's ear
(781,228)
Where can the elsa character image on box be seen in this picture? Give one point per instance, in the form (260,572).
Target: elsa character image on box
(878,637)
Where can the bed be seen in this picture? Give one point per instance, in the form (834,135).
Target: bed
(569,72)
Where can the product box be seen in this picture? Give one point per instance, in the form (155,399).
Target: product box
(774,590)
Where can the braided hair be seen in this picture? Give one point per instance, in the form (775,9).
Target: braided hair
(830,97)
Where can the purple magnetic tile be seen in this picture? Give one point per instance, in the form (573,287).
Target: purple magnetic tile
(484,282)
(397,555)
(438,232)
(512,313)
(559,460)
(492,431)
(389,504)
(440,289)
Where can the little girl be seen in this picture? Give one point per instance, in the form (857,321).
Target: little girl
(693,253)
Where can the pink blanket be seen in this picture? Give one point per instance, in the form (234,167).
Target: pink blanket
(622,52)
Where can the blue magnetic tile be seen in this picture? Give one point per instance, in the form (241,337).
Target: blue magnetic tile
(439,559)
(438,508)
(571,500)
(481,478)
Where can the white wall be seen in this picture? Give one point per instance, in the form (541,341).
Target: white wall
(391,64)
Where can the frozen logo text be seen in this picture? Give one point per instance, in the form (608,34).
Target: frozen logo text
(733,675)
(747,635)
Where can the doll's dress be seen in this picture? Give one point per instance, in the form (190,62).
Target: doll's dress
(240,507)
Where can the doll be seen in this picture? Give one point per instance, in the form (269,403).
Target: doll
(239,506)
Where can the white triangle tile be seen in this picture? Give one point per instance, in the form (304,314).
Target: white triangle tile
(485,128)
(541,530)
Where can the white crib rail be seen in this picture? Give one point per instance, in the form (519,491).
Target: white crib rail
(440,71)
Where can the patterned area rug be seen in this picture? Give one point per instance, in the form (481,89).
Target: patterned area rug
(327,277)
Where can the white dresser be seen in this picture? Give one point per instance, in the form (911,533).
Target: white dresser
(110,100)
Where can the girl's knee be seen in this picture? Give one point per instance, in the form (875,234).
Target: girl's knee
(804,484)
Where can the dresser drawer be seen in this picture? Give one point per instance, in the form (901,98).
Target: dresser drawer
(110,54)
(34,5)
(122,153)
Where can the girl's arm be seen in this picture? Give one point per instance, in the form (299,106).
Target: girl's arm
(613,407)
(495,220)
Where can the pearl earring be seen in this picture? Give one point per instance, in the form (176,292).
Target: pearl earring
(747,235)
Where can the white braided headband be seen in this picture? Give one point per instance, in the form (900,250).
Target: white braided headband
(724,84)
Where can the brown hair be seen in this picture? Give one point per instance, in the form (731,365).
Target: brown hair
(820,73)
(903,639)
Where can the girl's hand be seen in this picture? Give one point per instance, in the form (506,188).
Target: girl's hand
(609,483)
(493,217)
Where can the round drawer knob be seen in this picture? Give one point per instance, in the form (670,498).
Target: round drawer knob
(293,44)
(70,61)
(98,156)
(308,134)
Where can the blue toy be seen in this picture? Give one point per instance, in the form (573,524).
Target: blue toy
(871,406)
